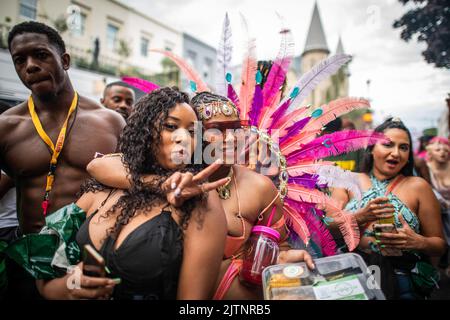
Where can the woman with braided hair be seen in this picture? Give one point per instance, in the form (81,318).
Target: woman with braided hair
(158,251)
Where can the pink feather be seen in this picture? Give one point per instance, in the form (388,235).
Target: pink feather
(296,223)
(336,143)
(290,119)
(276,77)
(347,225)
(256,106)
(302,194)
(232,95)
(276,115)
(294,129)
(141,84)
(248,80)
(188,71)
(308,167)
(335,109)
(294,143)
(318,231)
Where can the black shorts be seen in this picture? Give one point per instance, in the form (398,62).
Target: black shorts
(21,285)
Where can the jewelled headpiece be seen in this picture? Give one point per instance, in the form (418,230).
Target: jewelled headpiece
(208,110)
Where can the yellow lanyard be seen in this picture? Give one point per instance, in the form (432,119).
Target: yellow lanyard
(55,150)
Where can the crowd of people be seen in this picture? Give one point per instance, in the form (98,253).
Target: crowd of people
(169,228)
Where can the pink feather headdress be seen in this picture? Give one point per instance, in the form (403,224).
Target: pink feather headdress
(298,129)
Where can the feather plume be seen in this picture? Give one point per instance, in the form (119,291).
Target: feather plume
(248,80)
(224,54)
(279,68)
(296,223)
(318,232)
(347,224)
(276,115)
(302,194)
(336,177)
(256,106)
(319,72)
(294,143)
(336,143)
(295,128)
(306,167)
(276,77)
(141,84)
(289,119)
(188,71)
(335,109)
(306,180)
(232,95)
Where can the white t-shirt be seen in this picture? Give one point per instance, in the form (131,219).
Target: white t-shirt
(8,211)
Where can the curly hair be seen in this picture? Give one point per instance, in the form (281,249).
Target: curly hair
(139,144)
(36,27)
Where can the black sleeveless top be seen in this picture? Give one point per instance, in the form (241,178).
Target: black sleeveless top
(148,261)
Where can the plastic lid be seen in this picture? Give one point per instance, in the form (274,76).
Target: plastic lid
(267,230)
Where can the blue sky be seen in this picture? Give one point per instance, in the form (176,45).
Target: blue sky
(401,82)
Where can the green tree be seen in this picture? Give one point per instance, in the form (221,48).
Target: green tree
(430,20)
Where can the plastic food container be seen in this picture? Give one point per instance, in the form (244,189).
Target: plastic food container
(340,277)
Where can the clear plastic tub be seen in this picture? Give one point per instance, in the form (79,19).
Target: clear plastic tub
(340,277)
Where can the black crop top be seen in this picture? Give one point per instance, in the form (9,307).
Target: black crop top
(148,261)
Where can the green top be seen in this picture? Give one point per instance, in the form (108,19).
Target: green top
(378,189)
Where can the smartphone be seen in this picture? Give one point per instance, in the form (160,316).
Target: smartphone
(387,228)
(93,262)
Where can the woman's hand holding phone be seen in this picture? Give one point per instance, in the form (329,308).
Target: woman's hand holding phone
(89,287)
(376,209)
(405,238)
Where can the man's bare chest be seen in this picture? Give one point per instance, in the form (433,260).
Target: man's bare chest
(26,154)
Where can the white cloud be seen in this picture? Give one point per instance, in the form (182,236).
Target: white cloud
(402,83)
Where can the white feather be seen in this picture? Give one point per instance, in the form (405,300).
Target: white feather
(224,54)
(337,177)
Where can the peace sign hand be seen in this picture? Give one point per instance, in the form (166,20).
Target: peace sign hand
(180,187)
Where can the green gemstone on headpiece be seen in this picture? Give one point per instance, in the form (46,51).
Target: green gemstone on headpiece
(295,92)
(317,113)
(228,77)
(258,77)
(193,86)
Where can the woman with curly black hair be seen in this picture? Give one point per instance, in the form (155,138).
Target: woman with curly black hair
(248,198)
(156,250)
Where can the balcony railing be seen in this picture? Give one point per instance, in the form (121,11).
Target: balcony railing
(83,59)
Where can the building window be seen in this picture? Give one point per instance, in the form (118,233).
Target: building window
(168,46)
(28,8)
(207,68)
(144,46)
(80,25)
(111,36)
(192,57)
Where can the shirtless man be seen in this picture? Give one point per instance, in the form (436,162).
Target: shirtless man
(118,96)
(41,62)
